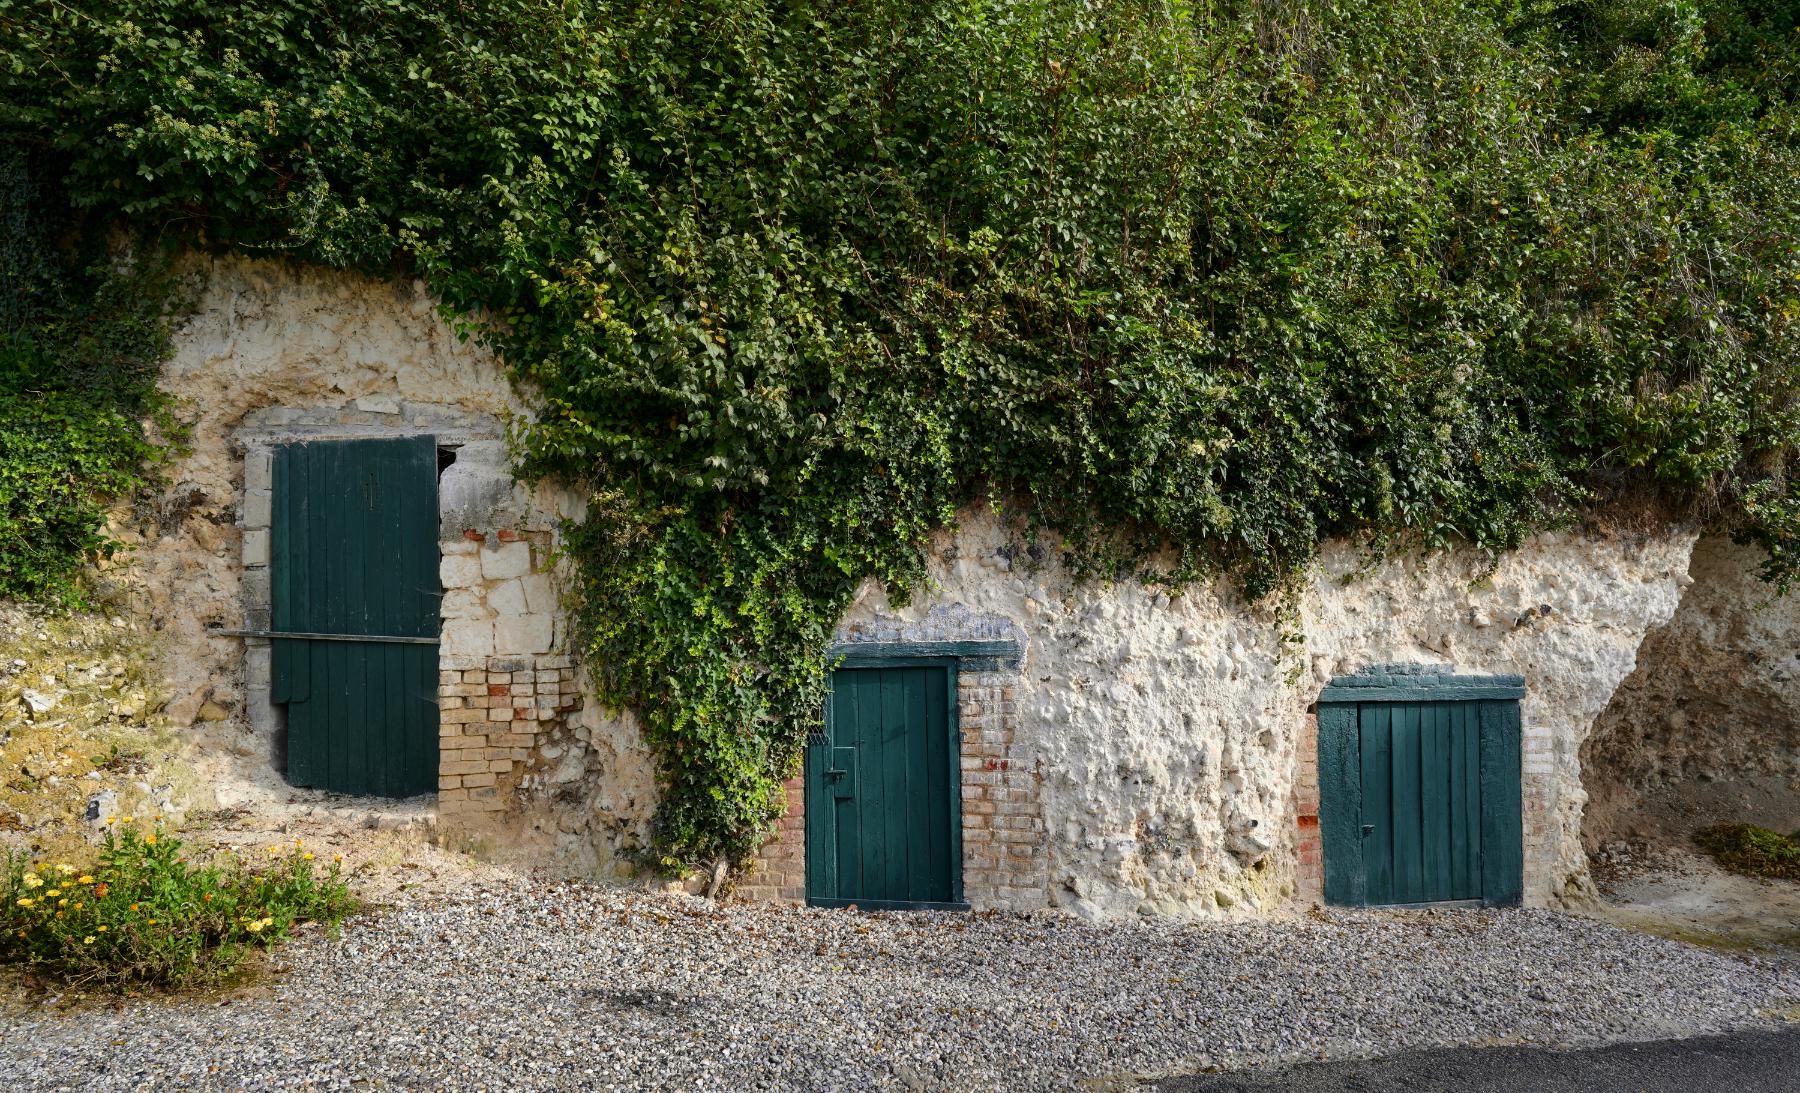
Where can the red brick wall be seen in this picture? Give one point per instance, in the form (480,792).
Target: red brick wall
(1309,872)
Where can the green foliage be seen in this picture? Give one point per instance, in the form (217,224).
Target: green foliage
(1188,288)
(1753,851)
(141,915)
(82,335)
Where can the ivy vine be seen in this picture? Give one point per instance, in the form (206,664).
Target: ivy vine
(790,283)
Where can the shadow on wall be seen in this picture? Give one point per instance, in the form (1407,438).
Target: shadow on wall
(1708,725)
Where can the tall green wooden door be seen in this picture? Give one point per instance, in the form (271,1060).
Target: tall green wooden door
(883,790)
(1419,785)
(354,566)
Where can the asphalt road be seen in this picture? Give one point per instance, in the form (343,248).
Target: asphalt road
(1750,1062)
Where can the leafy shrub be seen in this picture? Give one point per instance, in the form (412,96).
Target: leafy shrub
(1753,851)
(82,336)
(142,915)
(1187,288)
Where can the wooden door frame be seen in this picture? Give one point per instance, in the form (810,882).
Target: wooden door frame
(876,657)
(1340,774)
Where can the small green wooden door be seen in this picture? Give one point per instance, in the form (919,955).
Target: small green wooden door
(354,570)
(1419,799)
(883,797)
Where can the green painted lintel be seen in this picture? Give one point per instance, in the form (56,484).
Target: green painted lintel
(1406,683)
(1470,692)
(974,656)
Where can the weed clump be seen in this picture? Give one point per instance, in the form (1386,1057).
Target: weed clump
(1753,851)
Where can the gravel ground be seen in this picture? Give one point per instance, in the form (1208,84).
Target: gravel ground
(564,986)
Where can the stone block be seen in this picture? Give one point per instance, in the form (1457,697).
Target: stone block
(459,545)
(475,781)
(523,634)
(258,508)
(259,469)
(459,571)
(462,603)
(540,596)
(256,546)
(506,560)
(500,713)
(507,597)
(466,638)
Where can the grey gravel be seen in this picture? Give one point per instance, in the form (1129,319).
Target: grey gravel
(567,986)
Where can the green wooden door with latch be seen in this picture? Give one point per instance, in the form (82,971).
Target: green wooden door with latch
(883,790)
(1419,780)
(354,622)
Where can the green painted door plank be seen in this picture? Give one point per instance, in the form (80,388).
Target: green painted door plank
(1340,804)
(1502,828)
(1376,722)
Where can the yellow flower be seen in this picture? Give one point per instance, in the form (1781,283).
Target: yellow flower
(100,929)
(26,901)
(88,940)
(53,893)
(112,819)
(152,922)
(306,856)
(255,927)
(64,868)
(149,840)
(126,820)
(61,902)
(77,905)
(274,849)
(338,857)
(85,879)
(32,880)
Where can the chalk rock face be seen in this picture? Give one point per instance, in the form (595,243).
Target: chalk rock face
(1716,694)
(1165,728)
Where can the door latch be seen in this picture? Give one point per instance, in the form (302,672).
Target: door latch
(842,774)
(1368,829)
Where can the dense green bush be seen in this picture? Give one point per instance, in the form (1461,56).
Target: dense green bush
(142,915)
(1186,287)
(82,335)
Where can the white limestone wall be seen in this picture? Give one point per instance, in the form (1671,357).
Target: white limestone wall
(1165,728)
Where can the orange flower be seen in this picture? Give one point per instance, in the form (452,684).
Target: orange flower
(149,840)
(100,891)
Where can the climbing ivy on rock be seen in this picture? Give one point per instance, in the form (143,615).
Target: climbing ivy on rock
(1185,288)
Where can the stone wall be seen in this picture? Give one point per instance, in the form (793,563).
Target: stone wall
(1145,753)
(276,354)
(1175,771)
